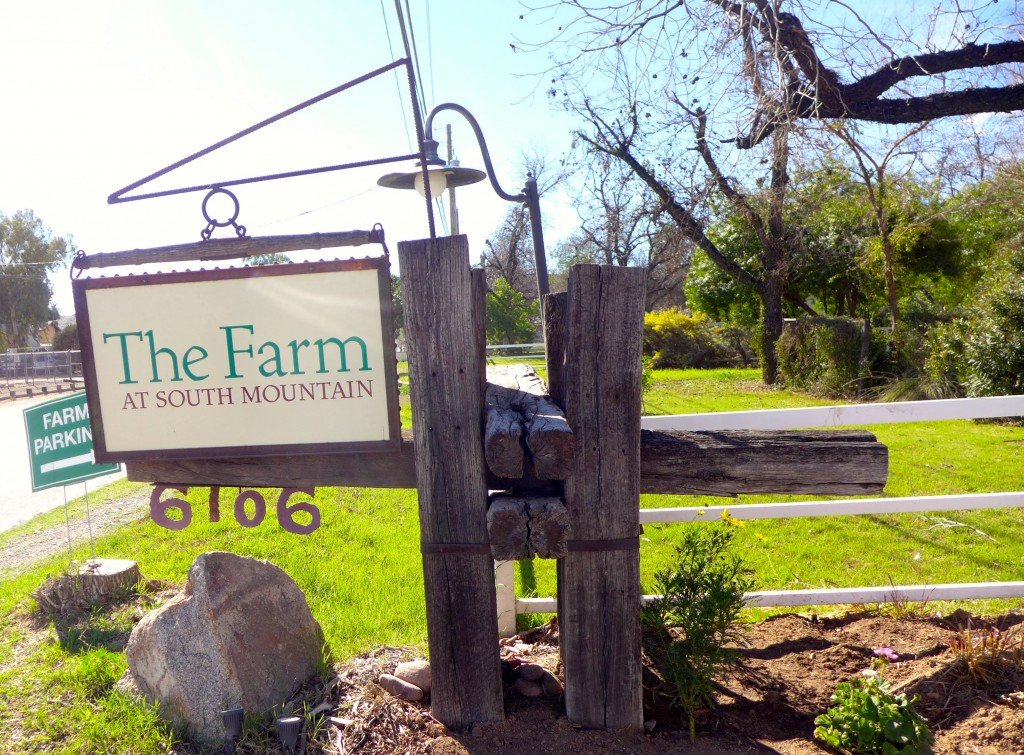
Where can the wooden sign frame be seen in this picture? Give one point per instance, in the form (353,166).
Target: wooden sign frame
(81,286)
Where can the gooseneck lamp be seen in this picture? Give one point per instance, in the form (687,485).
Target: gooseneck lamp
(442,175)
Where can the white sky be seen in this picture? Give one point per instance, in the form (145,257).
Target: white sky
(99,94)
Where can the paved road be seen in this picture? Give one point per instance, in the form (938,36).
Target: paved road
(17,501)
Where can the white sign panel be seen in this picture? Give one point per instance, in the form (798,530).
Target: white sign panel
(280,359)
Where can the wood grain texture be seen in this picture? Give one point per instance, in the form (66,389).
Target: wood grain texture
(727,463)
(527,526)
(545,432)
(550,527)
(554,344)
(503,448)
(821,462)
(227,249)
(447,398)
(508,528)
(371,470)
(599,592)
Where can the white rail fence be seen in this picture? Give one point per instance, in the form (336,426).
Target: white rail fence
(819,416)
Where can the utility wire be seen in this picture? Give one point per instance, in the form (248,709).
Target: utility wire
(430,52)
(398,85)
(441,203)
(409,54)
(321,207)
(409,41)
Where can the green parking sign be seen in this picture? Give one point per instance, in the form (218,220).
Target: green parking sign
(60,443)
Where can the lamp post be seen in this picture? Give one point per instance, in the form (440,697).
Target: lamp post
(441,175)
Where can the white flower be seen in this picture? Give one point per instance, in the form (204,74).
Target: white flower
(870,673)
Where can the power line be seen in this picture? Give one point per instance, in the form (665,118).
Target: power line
(321,207)
(430,53)
(411,52)
(398,85)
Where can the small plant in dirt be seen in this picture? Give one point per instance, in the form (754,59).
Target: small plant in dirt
(688,631)
(988,655)
(866,717)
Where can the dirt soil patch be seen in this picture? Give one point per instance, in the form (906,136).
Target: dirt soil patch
(791,667)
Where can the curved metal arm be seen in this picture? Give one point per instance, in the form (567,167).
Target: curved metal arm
(428,129)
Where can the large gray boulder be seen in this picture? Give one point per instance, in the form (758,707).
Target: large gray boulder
(240,635)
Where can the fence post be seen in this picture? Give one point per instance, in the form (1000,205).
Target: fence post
(599,579)
(447,396)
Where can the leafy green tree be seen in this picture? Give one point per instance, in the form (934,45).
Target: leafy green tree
(511,318)
(67,338)
(273,258)
(397,306)
(28,251)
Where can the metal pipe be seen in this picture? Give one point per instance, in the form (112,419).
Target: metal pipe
(530,195)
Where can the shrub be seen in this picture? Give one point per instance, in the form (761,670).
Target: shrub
(867,717)
(675,339)
(686,630)
(821,355)
(511,318)
(994,348)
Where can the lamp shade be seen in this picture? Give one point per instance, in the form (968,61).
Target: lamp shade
(454,176)
(438,182)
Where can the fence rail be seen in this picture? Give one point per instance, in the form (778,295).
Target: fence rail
(822,416)
(844,414)
(27,368)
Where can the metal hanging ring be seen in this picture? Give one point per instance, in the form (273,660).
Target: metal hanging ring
(77,265)
(234,213)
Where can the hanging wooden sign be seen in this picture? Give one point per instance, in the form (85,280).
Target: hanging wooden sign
(258,361)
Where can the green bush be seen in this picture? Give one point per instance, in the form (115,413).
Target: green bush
(981,353)
(867,717)
(511,318)
(687,629)
(676,339)
(994,346)
(821,355)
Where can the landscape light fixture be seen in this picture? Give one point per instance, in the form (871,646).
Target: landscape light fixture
(441,175)
(232,720)
(288,730)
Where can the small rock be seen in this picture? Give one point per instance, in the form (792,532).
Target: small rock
(531,672)
(649,725)
(400,688)
(415,672)
(772,697)
(551,684)
(526,688)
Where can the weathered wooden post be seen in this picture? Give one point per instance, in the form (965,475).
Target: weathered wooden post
(445,357)
(599,578)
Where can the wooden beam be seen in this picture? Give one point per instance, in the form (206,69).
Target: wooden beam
(599,579)
(227,249)
(819,462)
(527,526)
(516,390)
(447,396)
(503,448)
(554,344)
(727,463)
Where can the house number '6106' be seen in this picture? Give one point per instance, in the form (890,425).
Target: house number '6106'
(286,510)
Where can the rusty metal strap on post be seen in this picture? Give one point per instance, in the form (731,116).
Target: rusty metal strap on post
(450,549)
(598,546)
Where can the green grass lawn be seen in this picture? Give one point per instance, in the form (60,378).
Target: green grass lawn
(361,569)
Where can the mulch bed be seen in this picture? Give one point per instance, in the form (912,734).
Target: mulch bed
(791,666)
